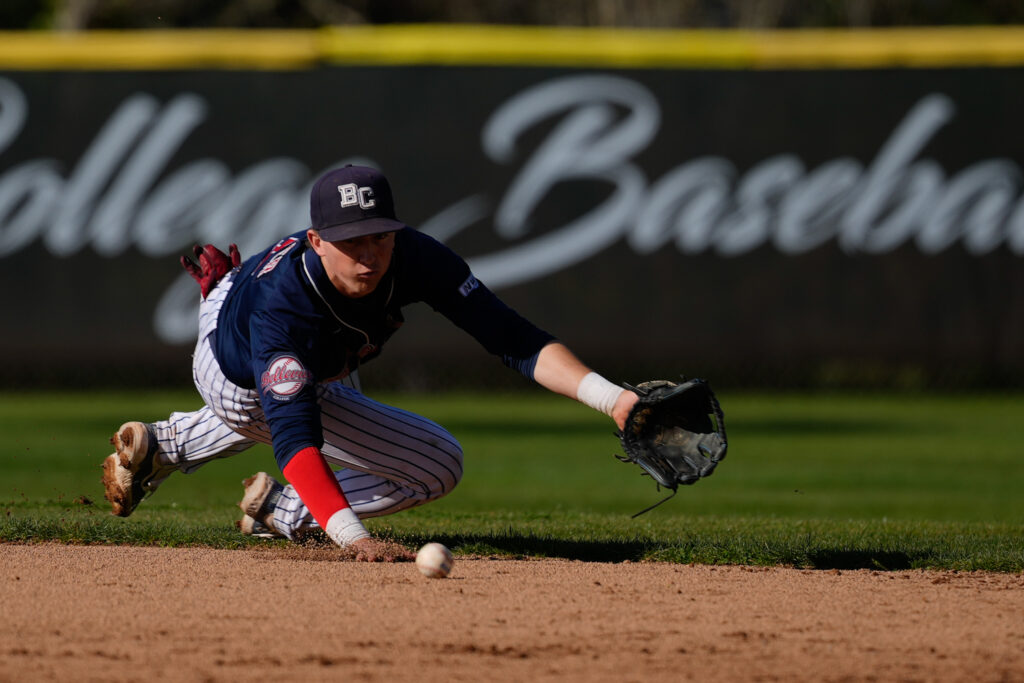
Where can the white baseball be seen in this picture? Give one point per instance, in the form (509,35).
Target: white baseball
(434,561)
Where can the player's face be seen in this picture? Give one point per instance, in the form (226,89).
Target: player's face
(355,266)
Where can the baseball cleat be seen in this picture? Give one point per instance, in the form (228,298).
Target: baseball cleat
(261,495)
(257,529)
(129,473)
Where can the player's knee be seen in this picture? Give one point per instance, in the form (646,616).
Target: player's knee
(450,473)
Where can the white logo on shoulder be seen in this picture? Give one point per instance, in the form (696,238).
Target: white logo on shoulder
(284,378)
(469,285)
(276,254)
(352,194)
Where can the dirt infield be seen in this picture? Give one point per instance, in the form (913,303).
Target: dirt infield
(123,614)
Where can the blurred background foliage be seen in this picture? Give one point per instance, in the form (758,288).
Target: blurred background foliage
(73,15)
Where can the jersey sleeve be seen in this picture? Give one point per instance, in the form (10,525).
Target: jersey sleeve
(454,291)
(286,387)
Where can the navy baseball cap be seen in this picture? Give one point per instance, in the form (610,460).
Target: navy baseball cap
(351,202)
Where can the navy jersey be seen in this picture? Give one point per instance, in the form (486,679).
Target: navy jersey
(284,327)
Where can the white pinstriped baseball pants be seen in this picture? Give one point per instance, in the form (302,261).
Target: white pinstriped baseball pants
(392,459)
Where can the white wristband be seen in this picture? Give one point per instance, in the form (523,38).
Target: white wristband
(598,393)
(344,528)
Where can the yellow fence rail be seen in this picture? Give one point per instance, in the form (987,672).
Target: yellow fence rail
(472,45)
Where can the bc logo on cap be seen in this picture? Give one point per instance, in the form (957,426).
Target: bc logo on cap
(352,194)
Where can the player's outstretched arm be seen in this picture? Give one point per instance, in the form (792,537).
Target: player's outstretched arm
(559,370)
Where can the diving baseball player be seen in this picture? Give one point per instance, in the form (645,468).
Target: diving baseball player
(281,338)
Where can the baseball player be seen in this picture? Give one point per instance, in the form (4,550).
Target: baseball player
(281,339)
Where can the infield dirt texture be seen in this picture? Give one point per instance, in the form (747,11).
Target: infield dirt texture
(811,482)
(90,613)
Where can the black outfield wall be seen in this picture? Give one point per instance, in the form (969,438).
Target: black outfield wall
(803,226)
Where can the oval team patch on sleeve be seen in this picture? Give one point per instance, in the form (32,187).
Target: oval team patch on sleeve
(284,378)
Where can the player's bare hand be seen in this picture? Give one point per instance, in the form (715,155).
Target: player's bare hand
(374,550)
(627,399)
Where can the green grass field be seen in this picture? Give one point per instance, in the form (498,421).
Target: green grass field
(821,481)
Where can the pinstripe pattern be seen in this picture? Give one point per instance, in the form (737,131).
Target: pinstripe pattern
(392,459)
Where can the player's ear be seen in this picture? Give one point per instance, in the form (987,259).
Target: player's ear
(314,239)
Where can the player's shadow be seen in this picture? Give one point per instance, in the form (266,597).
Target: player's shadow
(516,545)
(832,558)
(521,545)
